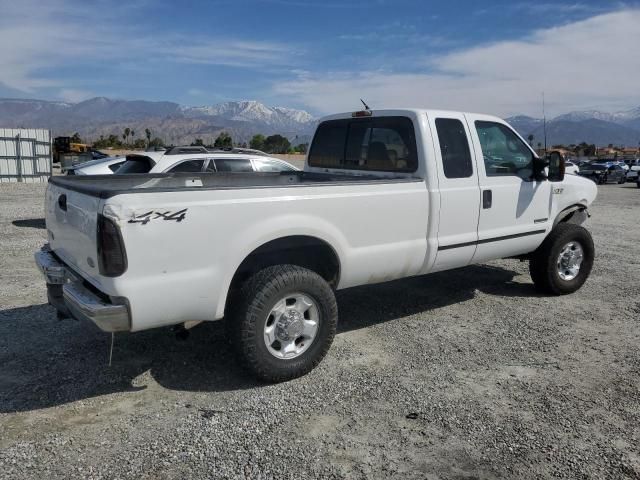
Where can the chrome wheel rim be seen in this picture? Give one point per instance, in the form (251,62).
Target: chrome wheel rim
(291,326)
(570,260)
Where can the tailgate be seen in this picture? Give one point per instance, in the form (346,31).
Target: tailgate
(72,219)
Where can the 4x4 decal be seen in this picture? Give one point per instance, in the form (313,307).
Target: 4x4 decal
(153,215)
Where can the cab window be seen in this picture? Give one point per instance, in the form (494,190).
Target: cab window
(378,144)
(503,151)
(454,147)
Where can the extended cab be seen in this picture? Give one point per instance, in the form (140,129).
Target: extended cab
(384,194)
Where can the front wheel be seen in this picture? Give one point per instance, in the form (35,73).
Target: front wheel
(283,321)
(563,262)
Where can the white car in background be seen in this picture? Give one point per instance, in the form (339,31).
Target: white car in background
(571,168)
(199,159)
(102,166)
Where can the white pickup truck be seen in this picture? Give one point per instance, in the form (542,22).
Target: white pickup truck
(385,194)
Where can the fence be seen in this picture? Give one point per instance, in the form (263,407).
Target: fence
(25,155)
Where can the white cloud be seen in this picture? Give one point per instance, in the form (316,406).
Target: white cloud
(589,63)
(39,37)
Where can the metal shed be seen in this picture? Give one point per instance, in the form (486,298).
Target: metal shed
(25,155)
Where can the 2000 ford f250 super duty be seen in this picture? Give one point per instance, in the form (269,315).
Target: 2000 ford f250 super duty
(385,194)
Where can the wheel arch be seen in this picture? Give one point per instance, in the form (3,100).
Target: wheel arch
(304,250)
(577,214)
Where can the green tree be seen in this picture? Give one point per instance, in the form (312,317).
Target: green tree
(224,140)
(156,142)
(276,144)
(257,142)
(147,133)
(127,132)
(75,138)
(197,143)
(301,148)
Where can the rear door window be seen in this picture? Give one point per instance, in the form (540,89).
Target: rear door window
(266,165)
(454,147)
(115,166)
(377,144)
(136,165)
(233,165)
(188,166)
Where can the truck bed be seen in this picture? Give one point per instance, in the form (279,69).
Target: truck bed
(106,186)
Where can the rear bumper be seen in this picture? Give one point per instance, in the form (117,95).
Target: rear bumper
(70,297)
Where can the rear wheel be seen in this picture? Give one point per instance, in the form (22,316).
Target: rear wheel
(563,262)
(283,321)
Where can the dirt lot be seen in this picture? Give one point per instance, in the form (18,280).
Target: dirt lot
(463,374)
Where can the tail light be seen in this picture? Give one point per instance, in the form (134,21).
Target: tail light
(112,258)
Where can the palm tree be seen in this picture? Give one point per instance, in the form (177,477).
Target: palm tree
(127,132)
(530,138)
(147,133)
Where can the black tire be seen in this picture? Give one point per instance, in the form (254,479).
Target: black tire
(543,262)
(250,310)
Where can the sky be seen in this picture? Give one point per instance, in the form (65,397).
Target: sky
(493,57)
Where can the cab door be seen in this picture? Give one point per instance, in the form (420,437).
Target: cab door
(458,188)
(515,208)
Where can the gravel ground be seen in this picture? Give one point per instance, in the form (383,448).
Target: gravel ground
(462,374)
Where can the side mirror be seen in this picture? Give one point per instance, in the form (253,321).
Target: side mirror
(556,167)
(539,166)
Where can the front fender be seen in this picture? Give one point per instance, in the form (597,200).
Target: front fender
(577,214)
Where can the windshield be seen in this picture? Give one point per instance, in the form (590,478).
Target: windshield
(136,165)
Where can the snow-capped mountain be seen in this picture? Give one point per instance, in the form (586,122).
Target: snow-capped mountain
(623,117)
(591,126)
(173,122)
(254,112)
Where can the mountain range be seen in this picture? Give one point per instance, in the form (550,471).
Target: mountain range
(179,124)
(174,123)
(591,126)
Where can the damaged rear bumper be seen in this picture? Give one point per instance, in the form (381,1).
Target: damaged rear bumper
(68,294)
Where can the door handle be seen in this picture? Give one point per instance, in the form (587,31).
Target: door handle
(62,202)
(487,198)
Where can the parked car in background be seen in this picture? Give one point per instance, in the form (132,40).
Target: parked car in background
(632,174)
(603,173)
(571,168)
(623,165)
(195,160)
(97,154)
(103,166)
